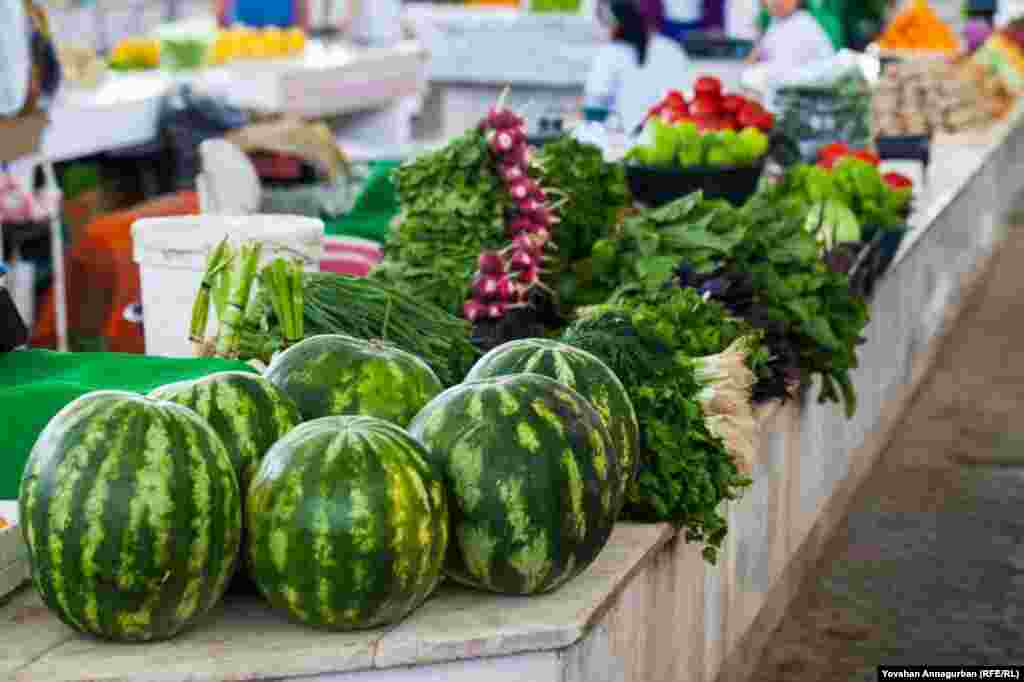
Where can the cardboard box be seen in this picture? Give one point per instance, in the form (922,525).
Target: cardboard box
(21,136)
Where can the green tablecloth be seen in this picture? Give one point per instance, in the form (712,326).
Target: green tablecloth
(376,205)
(36,384)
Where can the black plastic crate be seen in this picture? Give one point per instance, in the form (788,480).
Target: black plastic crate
(706,46)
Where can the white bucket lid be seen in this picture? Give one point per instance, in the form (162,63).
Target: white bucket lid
(161,239)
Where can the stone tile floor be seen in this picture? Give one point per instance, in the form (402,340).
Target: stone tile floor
(928,568)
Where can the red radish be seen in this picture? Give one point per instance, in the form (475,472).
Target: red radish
(897,181)
(502,142)
(708,85)
(512,172)
(485,288)
(503,118)
(521,260)
(490,263)
(520,225)
(473,310)
(529,277)
(519,190)
(504,293)
(733,103)
(495,311)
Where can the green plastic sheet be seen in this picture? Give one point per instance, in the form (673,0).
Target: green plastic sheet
(36,384)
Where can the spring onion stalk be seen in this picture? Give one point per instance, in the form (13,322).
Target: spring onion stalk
(215,264)
(298,302)
(274,283)
(244,274)
(222,284)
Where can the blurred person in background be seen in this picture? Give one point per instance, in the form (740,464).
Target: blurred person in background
(794,38)
(631,73)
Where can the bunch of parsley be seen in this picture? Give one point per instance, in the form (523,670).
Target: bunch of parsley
(648,338)
(453,207)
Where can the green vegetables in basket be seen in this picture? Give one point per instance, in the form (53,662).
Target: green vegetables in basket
(184,53)
(685,145)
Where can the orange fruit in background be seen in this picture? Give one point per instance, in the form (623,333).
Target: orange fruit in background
(294,41)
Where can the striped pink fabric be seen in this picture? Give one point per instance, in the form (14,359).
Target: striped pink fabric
(350,256)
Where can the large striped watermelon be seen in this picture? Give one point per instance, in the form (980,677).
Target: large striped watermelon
(131,514)
(582,372)
(334,374)
(247,411)
(532,476)
(249,414)
(348,524)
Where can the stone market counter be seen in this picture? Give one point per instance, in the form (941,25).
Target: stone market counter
(650,609)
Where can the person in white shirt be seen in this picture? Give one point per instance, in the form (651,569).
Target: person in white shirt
(793,40)
(633,71)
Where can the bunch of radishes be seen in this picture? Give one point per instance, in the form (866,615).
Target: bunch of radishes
(505,278)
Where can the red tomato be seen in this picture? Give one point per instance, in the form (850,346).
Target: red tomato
(834,150)
(704,105)
(708,86)
(707,123)
(675,100)
(897,180)
(750,115)
(733,104)
(865,155)
(765,122)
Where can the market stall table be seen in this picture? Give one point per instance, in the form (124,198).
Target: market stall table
(649,608)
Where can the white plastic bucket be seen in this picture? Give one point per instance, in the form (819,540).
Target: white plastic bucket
(172,252)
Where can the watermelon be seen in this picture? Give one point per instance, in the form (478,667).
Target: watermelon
(247,411)
(532,477)
(131,515)
(249,414)
(582,372)
(334,374)
(348,524)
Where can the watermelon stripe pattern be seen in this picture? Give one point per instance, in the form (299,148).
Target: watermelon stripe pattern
(334,374)
(587,375)
(348,524)
(532,477)
(248,412)
(131,514)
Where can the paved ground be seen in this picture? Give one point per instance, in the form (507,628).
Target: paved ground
(929,566)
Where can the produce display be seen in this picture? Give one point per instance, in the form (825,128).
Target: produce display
(334,374)
(289,305)
(135,54)
(927,96)
(712,129)
(1003,53)
(250,43)
(676,356)
(580,371)
(603,362)
(348,524)
(127,542)
(918,27)
(533,477)
(813,114)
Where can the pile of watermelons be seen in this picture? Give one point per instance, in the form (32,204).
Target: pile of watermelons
(343,482)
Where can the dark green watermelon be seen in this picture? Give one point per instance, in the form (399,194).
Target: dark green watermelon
(131,514)
(247,411)
(533,479)
(348,524)
(334,374)
(249,414)
(582,372)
